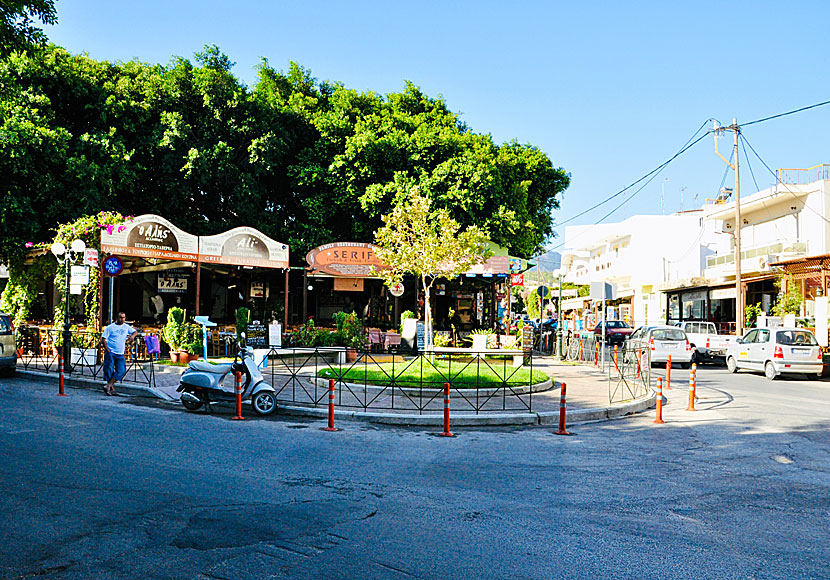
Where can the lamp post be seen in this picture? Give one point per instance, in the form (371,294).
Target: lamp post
(68,256)
(558,274)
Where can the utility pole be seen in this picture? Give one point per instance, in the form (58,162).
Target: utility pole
(739,302)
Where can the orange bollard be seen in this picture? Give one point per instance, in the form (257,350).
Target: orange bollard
(562,412)
(447,432)
(692,387)
(60,380)
(659,418)
(239,416)
(668,373)
(639,355)
(331,408)
(596,354)
(581,344)
(616,355)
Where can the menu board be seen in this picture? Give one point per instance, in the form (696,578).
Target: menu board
(420,332)
(527,338)
(256,335)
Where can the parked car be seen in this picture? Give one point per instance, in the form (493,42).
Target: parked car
(8,351)
(616,331)
(707,344)
(662,342)
(775,351)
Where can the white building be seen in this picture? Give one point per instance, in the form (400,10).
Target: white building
(641,255)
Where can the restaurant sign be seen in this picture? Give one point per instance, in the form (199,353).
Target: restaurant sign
(243,246)
(353,259)
(150,236)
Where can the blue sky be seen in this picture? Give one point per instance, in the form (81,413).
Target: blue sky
(609,90)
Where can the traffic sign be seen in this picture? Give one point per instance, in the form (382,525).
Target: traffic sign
(113,266)
(542,291)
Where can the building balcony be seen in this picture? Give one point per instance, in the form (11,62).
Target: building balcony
(756,259)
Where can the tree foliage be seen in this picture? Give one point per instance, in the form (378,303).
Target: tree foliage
(304,161)
(18,31)
(427,243)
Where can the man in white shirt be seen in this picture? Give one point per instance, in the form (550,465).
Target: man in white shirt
(115,338)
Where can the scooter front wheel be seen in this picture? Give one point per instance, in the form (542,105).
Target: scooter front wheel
(264,403)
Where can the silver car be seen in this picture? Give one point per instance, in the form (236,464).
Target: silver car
(663,342)
(776,351)
(8,352)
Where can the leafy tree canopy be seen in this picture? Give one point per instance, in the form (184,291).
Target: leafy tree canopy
(304,161)
(17,29)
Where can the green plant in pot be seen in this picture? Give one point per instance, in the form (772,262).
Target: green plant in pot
(181,336)
(349,330)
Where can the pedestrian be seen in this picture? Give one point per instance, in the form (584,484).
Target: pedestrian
(115,338)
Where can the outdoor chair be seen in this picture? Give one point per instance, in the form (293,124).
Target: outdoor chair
(392,341)
(374,339)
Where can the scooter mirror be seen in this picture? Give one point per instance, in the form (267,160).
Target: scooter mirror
(242,335)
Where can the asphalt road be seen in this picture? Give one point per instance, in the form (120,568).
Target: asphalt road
(100,487)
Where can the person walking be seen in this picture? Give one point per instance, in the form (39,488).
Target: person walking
(115,338)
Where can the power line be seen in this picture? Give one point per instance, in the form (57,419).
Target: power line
(650,175)
(785,114)
(654,171)
(778,181)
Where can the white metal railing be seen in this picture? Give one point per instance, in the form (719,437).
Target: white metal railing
(794,249)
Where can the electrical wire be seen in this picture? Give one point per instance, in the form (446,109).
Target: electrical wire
(650,175)
(654,171)
(779,182)
(785,114)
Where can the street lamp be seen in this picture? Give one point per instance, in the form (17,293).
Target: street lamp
(558,274)
(68,257)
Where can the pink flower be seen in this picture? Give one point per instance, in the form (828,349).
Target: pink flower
(29,244)
(109,229)
(121,228)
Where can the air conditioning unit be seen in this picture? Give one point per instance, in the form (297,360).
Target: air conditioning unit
(763,263)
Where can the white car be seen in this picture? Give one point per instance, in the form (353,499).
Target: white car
(663,341)
(776,351)
(8,352)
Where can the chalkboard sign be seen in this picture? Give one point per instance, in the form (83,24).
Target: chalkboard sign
(256,335)
(527,338)
(420,333)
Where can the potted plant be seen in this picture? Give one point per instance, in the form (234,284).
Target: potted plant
(84,347)
(349,333)
(184,339)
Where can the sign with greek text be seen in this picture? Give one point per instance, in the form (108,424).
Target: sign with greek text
(243,246)
(150,236)
(352,259)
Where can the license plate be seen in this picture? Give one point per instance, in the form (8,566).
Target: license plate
(801,353)
(670,345)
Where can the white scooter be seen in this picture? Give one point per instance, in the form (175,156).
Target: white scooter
(203,383)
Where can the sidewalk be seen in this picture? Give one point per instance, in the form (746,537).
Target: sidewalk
(587,400)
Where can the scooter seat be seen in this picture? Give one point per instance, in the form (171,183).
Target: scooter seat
(206,367)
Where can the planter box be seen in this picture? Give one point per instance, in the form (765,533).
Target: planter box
(87,357)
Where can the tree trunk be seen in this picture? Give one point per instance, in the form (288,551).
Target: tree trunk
(427,316)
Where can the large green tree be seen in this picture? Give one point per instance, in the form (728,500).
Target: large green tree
(18,31)
(306,162)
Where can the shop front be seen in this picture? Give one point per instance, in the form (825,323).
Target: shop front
(151,266)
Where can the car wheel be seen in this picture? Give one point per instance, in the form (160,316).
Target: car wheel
(685,365)
(731,365)
(695,357)
(769,371)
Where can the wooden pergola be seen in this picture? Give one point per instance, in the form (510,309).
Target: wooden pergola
(807,268)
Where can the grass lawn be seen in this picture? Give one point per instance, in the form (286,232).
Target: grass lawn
(436,374)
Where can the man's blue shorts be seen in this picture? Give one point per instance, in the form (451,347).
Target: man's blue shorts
(114,366)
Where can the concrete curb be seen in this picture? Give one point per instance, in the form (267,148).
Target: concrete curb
(86,383)
(482,420)
(401,419)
